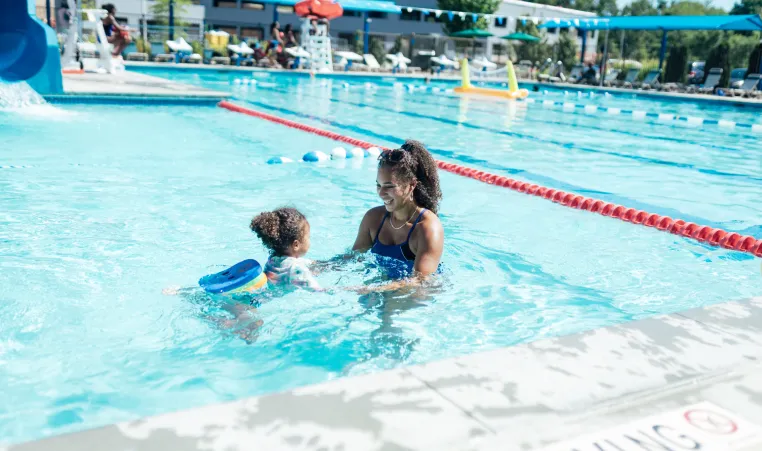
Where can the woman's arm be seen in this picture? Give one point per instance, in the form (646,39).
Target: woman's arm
(363,241)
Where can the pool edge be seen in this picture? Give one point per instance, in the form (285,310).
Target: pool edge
(555,388)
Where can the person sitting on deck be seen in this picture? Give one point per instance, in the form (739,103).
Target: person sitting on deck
(117,35)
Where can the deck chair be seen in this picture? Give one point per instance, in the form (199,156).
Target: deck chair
(371,62)
(749,88)
(651,81)
(630,77)
(610,78)
(712,80)
(576,73)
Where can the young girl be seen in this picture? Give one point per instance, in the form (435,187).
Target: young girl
(286,233)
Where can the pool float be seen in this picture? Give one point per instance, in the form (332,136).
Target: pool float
(244,277)
(513,91)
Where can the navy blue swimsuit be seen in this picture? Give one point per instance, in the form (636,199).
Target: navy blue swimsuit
(398,258)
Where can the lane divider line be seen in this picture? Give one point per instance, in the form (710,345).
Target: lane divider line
(566,145)
(471,161)
(703,234)
(567,106)
(612,111)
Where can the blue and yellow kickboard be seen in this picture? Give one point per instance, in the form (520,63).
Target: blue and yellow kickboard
(244,277)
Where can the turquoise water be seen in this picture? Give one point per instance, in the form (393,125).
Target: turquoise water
(110,204)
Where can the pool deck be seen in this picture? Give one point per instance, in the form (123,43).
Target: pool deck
(680,380)
(656,95)
(133,84)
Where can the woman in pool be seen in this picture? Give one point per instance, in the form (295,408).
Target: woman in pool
(405,232)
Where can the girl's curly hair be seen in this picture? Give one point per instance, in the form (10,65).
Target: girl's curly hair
(413,162)
(278,229)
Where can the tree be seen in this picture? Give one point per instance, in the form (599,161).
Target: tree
(755,60)
(718,57)
(677,64)
(160,10)
(567,50)
(472,6)
(747,7)
(537,51)
(740,48)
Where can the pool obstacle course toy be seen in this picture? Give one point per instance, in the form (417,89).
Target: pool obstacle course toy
(243,277)
(513,91)
(28,48)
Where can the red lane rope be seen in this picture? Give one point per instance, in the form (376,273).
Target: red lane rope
(703,234)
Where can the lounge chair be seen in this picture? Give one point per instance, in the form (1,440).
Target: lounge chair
(651,81)
(371,62)
(712,80)
(180,49)
(137,56)
(222,60)
(193,58)
(242,53)
(749,88)
(630,77)
(576,73)
(610,78)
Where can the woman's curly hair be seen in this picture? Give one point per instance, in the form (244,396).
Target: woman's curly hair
(413,162)
(278,229)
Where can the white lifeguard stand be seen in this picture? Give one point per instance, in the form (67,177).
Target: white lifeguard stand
(318,46)
(104,63)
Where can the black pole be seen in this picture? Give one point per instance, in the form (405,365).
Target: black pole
(171,20)
(47,11)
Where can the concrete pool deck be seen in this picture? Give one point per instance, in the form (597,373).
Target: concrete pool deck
(656,95)
(680,381)
(134,84)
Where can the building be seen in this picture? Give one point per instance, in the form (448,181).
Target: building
(518,8)
(252,19)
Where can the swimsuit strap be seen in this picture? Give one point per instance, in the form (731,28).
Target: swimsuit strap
(386,215)
(414,224)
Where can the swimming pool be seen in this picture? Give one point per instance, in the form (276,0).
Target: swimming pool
(107,205)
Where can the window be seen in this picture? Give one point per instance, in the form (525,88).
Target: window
(414,16)
(377,15)
(248,4)
(257,33)
(285,9)
(501,22)
(348,13)
(225,4)
(552,30)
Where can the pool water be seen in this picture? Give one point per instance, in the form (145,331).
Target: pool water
(108,205)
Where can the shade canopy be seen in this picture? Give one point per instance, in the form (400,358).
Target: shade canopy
(663,23)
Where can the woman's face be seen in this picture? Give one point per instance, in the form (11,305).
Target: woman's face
(394,193)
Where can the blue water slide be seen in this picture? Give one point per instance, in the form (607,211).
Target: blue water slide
(28,48)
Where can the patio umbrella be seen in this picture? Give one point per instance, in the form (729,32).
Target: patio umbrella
(521,37)
(472,33)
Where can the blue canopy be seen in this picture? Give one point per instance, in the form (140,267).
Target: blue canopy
(351,5)
(663,23)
